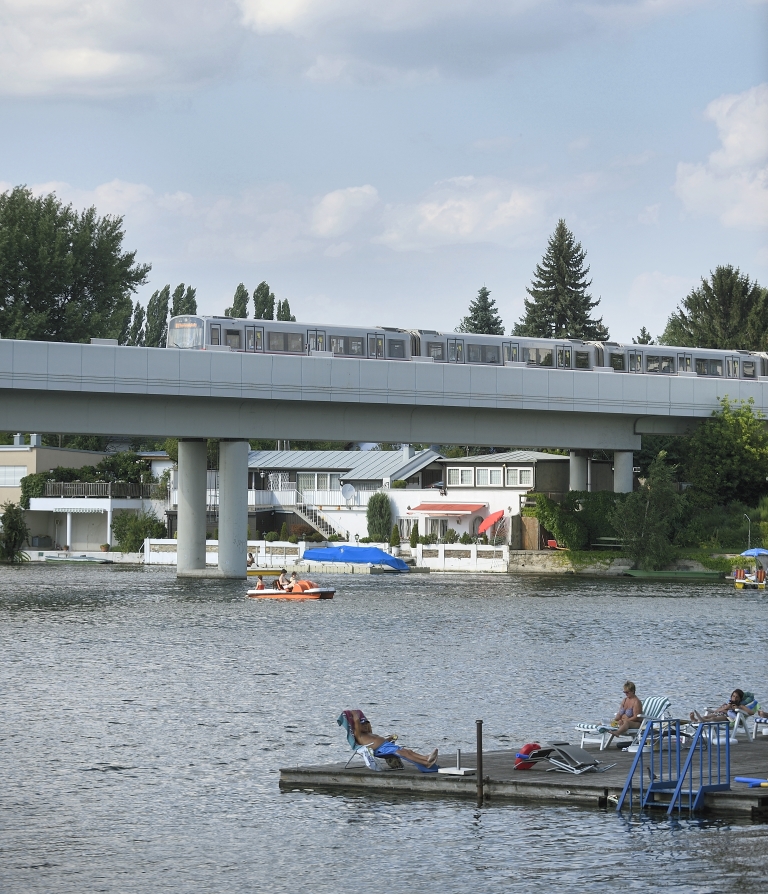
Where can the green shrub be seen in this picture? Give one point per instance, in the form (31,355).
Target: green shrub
(379,518)
(414,538)
(399,484)
(271,537)
(365,540)
(257,535)
(465,538)
(14,533)
(450,536)
(131,529)
(293,539)
(428,540)
(284,532)
(317,537)
(394,537)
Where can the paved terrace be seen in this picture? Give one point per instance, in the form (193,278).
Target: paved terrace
(96,389)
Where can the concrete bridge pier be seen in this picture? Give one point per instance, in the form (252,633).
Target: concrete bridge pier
(623,480)
(190,548)
(233,508)
(578,470)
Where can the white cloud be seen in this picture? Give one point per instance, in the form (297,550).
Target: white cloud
(115,47)
(338,211)
(463,210)
(733,183)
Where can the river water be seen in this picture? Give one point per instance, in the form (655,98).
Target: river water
(144,720)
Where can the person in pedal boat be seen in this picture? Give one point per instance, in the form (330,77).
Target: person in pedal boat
(384,746)
(283,581)
(260,583)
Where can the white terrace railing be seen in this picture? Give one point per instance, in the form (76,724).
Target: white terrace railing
(117,489)
(264,499)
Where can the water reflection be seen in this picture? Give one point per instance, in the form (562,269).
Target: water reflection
(145,719)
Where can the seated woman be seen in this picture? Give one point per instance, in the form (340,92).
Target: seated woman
(628,715)
(727,711)
(385,745)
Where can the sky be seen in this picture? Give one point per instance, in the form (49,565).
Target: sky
(377,164)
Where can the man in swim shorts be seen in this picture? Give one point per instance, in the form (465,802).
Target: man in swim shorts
(383,746)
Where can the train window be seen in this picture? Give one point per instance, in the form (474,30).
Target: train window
(473,354)
(582,360)
(510,353)
(617,362)
(564,358)
(396,348)
(491,353)
(436,350)
(748,369)
(185,332)
(232,338)
(656,364)
(375,346)
(539,356)
(215,335)
(291,342)
(483,353)
(709,367)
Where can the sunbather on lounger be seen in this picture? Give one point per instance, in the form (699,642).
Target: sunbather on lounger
(382,745)
(628,715)
(727,711)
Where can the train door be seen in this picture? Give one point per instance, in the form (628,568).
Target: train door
(316,340)
(635,362)
(510,352)
(684,363)
(732,367)
(375,345)
(455,350)
(215,334)
(563,356)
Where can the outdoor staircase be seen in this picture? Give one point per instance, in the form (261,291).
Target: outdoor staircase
(313,516)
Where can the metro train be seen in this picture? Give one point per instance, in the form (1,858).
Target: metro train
(431,346)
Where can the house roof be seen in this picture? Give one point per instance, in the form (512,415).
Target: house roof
(361,465)
(510,457)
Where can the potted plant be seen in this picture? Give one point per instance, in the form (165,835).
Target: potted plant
(105,547)
(394,541)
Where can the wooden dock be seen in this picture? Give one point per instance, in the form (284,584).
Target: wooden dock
(504,784)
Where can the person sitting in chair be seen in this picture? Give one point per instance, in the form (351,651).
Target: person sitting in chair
(728,711)
(260,583)
(282,582)
(628,715)
(385,745)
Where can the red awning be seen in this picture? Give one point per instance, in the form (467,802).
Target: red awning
(490,521)
(440,510)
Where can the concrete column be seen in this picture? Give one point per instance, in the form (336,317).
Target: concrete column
(233,508)
(578,471)
(68,544)
(623,481)
(109,524)
(190,533)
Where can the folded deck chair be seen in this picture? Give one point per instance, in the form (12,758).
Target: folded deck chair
(572,759)
(386,757)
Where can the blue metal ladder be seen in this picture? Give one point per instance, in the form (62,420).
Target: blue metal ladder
(706,767)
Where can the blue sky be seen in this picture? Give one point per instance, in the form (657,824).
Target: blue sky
(377,164)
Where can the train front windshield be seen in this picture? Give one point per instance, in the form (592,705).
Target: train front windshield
(186,332)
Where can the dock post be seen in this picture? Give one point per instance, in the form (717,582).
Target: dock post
(479,724)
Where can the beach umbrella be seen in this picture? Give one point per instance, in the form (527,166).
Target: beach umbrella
(755,552)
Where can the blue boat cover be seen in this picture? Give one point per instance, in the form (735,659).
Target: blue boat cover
(363,555)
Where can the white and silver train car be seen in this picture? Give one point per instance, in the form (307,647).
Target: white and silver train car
(381,342)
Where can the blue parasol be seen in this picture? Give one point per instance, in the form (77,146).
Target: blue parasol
(755,552)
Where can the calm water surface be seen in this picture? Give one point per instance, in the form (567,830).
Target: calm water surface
(144,721)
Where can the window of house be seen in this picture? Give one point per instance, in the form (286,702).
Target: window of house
(334,480)
(10,476)
(481,477)
(488,477)
(526,477)
(494,476)
(460,477)
(322,481)
(582,360)
(512,479)
(436,350)
(396,348)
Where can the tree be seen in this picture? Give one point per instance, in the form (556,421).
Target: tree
(414,538)
(239,309)
(394,537)
(132,528)
(644,338)
(727,312)
(14,533)
(157,318)
(63,273)
(263,302)
(483,317)
(727,455)
(136,332)
(379,518)
(561,304)
(645,518)
(183,302)
(284,311)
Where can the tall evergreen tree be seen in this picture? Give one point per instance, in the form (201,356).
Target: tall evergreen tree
(644,338)
(263,302)
(176,300)
(561,304)
(483,317)
(157,318)
(64,275)
(136,332)
(727,311)
(284,311)
(239,309)
(188,304)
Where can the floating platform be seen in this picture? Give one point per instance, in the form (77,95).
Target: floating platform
(675,575)
(504,784)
